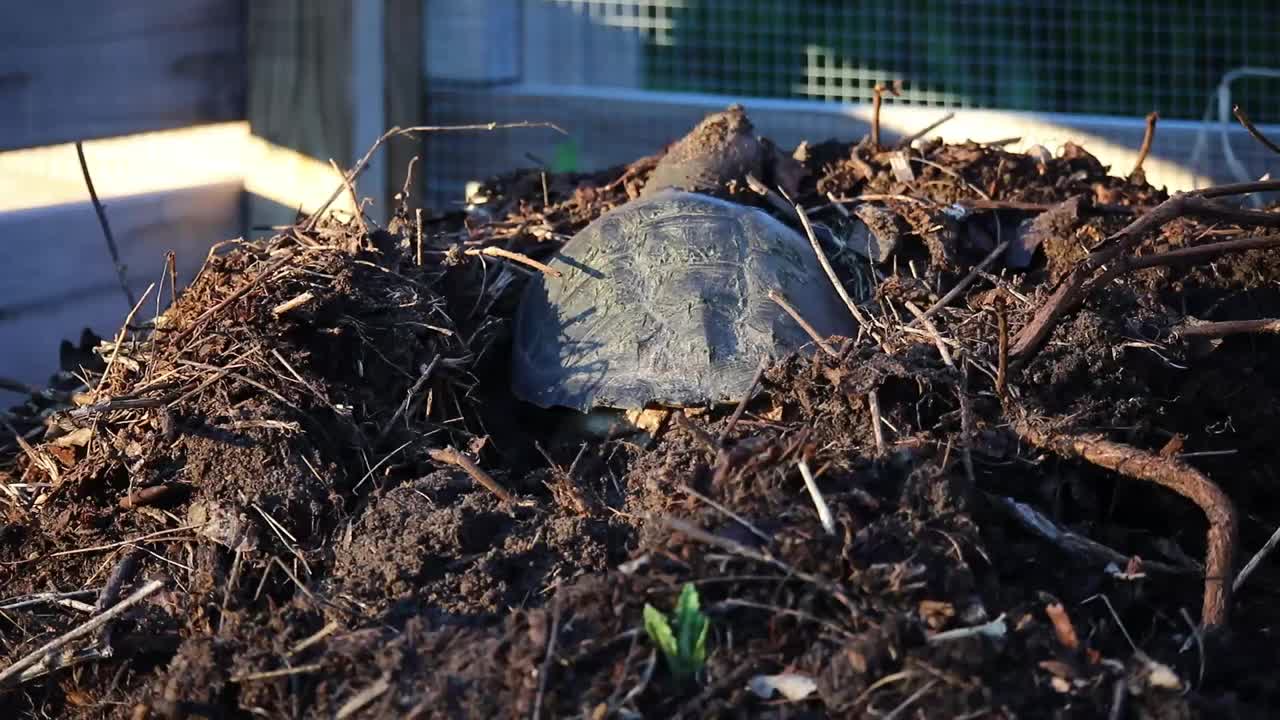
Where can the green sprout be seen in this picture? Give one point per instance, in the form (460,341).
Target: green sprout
(685,644)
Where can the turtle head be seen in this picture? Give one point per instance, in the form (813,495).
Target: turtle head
(718,154)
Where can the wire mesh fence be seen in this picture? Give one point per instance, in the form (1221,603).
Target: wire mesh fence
(1092,56)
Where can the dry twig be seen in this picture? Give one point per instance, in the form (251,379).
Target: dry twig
(761,556)
(959,287)
(831,273)
(515,256)
(349,182)
(1002,348)
(79,631)
(877,99)
(906,141)
(455,458)
(106,227)
(1255,132)
(742,404)
(1224,328)
(350,176)
(1148,136)
(873,404)
(1075,287)
(1166,472)
(545,671)
(1258,557)
(777,297)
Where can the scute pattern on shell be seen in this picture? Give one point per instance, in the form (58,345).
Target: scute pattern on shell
(665,301)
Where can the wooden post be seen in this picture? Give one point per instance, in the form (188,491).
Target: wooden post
(326,78)
(406,95)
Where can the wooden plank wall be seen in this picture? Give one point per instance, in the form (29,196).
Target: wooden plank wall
(315,80)
(79,69)
(56,277)
(326,77)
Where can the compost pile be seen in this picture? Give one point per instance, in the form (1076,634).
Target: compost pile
(304,489)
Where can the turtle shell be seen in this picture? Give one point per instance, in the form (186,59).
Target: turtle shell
(664,300)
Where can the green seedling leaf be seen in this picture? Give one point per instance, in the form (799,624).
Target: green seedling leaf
(685,645)
(659,631)
(691,625)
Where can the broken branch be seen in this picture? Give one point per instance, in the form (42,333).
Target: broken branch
(106,227)
(516,257)
(1072,290)
(877,99)
(1169,473)
(1147,137)
(457,459)
(1255,132)
(777,297)
(78,632)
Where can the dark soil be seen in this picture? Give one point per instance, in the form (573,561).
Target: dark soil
(263,449)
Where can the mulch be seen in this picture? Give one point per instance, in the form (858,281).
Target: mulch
(304,489)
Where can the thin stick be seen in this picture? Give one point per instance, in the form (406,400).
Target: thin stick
(297,302)
(831,273)
(773,196)
(418,215)
(873,404)
(1174,475)
(80,631)
(954,292)
(906,141)
(1229,327)
(760,556)
(453,457)
(1071,543)
(1200,252)
(403,407)
(1147,138)
(278,673)
(738,518)
(824,511)
(106,227)
(877,99)
(383,461)
(1072,290)
(398,132)
(41,598)
(911,699)
(1002,367)
(1256,560)
(349,182)
(777,297)
(746,397)
(966,428)
(115,350)
(933,334)
(310,640)
(515,256)
(1255,132)
(407,189)
(545,671)
(362,698)
(112,546)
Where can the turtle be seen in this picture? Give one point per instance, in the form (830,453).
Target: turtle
(664,302)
